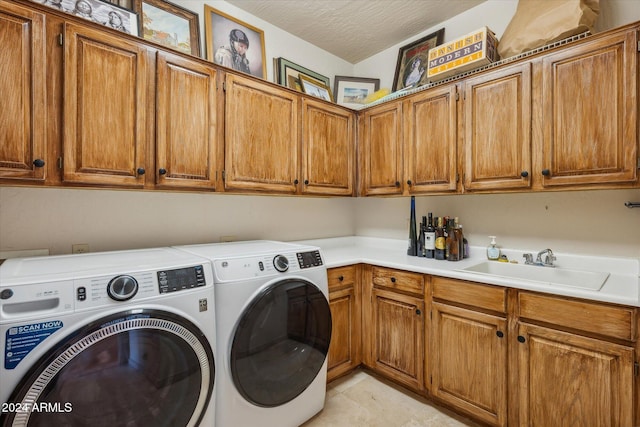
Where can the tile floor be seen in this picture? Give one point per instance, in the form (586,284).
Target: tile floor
(363,399)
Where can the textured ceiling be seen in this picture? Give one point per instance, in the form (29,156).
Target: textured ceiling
(354,29)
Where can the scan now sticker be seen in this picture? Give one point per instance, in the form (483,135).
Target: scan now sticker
(21,339)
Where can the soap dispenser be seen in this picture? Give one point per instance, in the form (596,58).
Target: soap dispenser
(493,251)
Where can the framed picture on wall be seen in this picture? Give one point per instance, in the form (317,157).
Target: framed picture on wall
(169,25)
(288,74)
(413,61)
(352,91)
(233,43)
(102,12)
(315,88)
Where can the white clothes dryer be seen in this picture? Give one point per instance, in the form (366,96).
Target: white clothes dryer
(108,339)
(273,327)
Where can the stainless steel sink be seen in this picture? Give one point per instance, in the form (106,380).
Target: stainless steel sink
(591,280)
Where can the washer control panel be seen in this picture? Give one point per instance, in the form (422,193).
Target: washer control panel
(309,259)
(179,279)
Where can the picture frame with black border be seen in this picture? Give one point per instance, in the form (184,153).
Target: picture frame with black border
(413,61)
(287,74)
(352,91)
(169,25)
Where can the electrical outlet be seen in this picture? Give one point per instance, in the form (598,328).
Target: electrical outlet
(80,248)
(228,239)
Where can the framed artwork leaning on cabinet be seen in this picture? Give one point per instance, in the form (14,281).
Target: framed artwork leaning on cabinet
(413,61)
(233,43)
(170,25)
(352,91)
(99,11)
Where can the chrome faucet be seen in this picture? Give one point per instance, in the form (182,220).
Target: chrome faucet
(548,259)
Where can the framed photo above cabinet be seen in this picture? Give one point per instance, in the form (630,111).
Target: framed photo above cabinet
(413,59)
(103,12)
(233,43)
(170,25)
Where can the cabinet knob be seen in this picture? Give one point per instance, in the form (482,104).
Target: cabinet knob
(418,312)
(397,183)
(341,278)
(295,181)
(521,339)
(306,182)
(500,334)
(393,280)
(524,174)
(546,172)
(409,182)
(38,163)
(140,171)
(162,171)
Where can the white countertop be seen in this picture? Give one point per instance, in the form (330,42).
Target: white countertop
(621,287)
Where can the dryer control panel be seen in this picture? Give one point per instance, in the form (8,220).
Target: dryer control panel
(309,259)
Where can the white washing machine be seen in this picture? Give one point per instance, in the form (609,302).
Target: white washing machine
(108,339)
(273,328)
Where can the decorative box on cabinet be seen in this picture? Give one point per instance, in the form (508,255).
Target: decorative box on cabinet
(394,314)
(344,300)
(468,343)
(22,115)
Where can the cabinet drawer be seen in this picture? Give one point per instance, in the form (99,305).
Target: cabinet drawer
(492,298)
(341,277)
(398,280)
(602,319)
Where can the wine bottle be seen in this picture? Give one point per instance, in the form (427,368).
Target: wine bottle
(430,238)
(423,226)
(413,238)
(440,241)
(453,244)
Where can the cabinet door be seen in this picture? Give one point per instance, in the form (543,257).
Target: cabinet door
(106,108)
(431,126)
(397,326)
(186,119)
(22,114)
(566,379)
(469,369)
(497,143)
(381,155)
(590,113)
(328,149)
(261,137)
(344,351)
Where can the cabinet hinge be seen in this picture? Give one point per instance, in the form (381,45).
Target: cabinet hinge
(224,86)
(457,96)
(638,162)
(60,164)
(224,175)
(638,46)
(636,368)
(430,379)
(61,39)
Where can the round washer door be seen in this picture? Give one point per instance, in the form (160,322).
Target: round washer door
(148,368)
(281,342)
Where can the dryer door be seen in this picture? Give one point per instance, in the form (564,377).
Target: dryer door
(142,368)
(281,342)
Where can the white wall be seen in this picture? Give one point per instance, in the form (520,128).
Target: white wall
(582,222)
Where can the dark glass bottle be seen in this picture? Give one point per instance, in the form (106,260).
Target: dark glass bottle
(440,241)
(423,226)
(430,238)
(453,242)
(413,238)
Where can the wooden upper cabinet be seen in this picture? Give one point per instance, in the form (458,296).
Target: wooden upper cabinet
(328,149)
(381,150)
(430,158)
(497,140)
(261,137)
(22,114)
(590,112)
(186,123)
(106,108)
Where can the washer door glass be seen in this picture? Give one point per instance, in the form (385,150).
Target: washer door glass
(151,368)
(281,342)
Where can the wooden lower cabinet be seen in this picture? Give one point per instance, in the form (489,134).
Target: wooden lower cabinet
(394,343)
(567,379)
(344,300)
(469,361)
